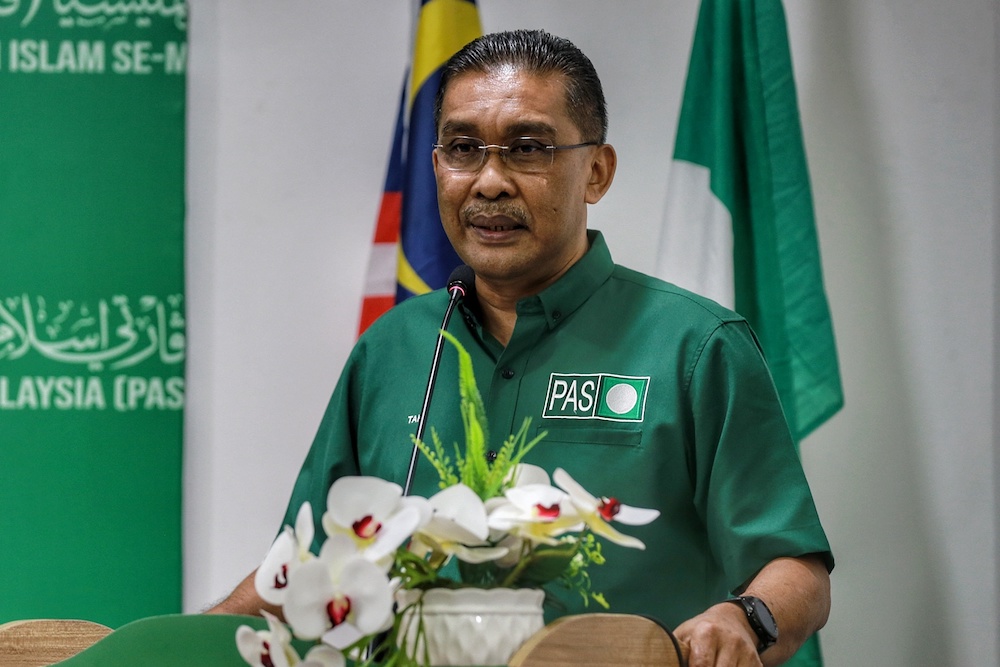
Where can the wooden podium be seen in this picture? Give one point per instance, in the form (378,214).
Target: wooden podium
(601,640)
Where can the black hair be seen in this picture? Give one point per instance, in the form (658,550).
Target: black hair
(536,52)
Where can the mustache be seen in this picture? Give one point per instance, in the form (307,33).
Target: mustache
(493,209)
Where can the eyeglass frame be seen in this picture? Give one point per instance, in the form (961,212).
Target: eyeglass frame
(504,151)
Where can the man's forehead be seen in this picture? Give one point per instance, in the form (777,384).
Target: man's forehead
(508,99)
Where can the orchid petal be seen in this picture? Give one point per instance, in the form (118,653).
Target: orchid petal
(600,527)
(514,546)
(394,532)
(250,645)
(636,516)
(422,504)
(336,552)
(534,495)
(445,531)
(461,506)
(342,636)
(526,473)
(277,629)
(271,578)
(370,593)
(305,527)
(573,488)
(323,656)
(274,644)
(477,555)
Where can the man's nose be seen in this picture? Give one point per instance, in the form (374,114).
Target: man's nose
(493,180)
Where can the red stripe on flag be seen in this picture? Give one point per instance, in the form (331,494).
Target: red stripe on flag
(372,307)
(389,215)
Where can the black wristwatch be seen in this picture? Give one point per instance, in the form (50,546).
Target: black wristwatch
(760,619)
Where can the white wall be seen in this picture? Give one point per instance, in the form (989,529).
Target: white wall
(290,112)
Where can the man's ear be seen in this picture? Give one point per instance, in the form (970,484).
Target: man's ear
(602,172)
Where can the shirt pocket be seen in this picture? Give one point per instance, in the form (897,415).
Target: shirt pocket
(588,435)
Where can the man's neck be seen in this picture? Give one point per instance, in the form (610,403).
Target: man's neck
(498,297)
(499,313)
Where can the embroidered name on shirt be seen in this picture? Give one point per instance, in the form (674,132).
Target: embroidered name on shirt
(596,396)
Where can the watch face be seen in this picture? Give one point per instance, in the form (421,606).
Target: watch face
(760,619)
(764,617)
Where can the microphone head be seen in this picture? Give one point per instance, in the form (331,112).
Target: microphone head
(462,282)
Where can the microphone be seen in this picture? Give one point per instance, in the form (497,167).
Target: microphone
(461,285)
(462,279)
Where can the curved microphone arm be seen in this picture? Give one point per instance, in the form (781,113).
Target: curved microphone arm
(460,285)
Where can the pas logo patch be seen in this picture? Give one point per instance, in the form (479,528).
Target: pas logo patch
(596,396)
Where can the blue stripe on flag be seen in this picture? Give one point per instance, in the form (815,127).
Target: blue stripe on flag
(424,243)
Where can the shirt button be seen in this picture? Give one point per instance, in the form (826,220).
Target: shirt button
(507,373)
(556,314)
(491,456)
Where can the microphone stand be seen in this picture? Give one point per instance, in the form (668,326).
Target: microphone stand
(458,286)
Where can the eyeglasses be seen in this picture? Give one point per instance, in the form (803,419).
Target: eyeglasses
(525,154)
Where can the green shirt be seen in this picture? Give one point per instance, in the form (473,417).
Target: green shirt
(648,393)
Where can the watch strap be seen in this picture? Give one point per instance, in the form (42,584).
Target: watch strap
(760,619)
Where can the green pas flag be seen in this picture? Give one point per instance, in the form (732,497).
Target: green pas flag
(739,222)
(92,331)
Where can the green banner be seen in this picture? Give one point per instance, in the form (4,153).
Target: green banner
(92,328)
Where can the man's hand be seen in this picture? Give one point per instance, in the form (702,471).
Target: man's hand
(796,590)
(719,637)
(245,601)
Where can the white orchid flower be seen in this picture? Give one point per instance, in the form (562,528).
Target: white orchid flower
(457,527)
(340,596)
(266,648)
(536,512)
(522,474)
(289,550)
(597,513)
(374,514)
(272,648)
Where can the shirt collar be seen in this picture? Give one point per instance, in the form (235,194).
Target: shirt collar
(563,297)
(574,287)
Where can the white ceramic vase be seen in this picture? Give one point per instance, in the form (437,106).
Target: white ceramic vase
(471,626)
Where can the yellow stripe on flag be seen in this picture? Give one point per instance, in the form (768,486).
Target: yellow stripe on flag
(406,276)
(445,26)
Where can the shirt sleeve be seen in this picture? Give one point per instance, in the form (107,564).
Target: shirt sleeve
(750,488)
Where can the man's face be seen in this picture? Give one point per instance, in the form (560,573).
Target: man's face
(516,230)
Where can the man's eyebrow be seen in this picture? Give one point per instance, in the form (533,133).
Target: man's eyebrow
(519,129)
(461,128)
(532,129)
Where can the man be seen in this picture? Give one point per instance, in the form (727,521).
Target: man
(646,391)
